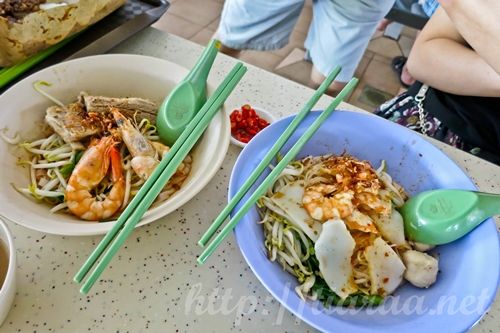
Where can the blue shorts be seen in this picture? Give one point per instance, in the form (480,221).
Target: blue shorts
(338,35)
(430,6)
(419,7)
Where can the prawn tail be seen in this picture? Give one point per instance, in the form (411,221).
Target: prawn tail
(116,164)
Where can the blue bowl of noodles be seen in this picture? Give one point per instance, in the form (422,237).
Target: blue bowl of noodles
(469,268)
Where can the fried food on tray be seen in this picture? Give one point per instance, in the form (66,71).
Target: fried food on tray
(29,26)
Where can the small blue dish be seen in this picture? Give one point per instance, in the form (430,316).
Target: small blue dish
(469,268)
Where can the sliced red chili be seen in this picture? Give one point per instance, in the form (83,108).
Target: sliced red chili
(246,123)
(245,113)
(252,131)
(263,123)
(251,122)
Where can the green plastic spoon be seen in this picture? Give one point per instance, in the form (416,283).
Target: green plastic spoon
(442,216)
(187,98)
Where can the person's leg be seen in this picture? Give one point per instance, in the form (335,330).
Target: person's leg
(406,77)
(339,34)
(425,8)
(257,24)
(317,77)
(399,66)
(227,50)
(382,25)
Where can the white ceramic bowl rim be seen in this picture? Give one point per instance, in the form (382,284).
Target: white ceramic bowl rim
(11,268)
(8,288)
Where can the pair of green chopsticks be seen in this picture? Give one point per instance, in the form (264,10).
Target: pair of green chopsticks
(271,178)
(155,183)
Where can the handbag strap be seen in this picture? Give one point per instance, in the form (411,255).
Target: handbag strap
(419,98)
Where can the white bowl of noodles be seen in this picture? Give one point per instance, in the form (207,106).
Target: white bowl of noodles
(23,112)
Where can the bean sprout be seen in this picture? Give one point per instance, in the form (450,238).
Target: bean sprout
(13,141)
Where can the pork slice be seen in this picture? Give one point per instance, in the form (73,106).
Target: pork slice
(129,107)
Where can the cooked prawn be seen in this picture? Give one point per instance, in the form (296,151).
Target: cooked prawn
(322,204)
(146,155)
(180,174)
(88,174)
(379,204)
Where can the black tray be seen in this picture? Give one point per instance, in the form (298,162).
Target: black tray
(111,24)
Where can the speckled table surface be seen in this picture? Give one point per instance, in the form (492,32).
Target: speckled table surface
(154,283)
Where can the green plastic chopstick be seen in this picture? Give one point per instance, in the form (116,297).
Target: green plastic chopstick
(10,73)
(153,186)
(269,157)
(271,178)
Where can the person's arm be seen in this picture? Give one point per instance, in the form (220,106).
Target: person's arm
(478,21)
(442,59)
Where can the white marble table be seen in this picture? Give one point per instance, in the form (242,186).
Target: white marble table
(154,283)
